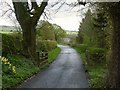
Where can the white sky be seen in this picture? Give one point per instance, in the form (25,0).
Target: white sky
(67,23)
(68,20)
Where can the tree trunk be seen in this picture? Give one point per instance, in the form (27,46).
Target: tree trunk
(114,65)
(28,23)
(29,40)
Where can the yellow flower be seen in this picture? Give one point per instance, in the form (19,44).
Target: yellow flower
(13,68)
(5,61)
(10,65)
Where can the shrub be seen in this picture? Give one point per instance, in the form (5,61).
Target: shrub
(96,54)
(24,68)
(51,44)
(8,68)
(46,45)
(82,47)
(11,43)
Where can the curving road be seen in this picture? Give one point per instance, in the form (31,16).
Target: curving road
(65,72)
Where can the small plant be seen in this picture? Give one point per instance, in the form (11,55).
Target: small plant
(82,48)
(96,54)
(6,62)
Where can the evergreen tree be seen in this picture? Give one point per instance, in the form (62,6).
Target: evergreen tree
(100,24)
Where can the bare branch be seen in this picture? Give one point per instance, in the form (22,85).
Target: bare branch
(56,3)
(82,2)
(60,6)
(9,5)
(45,15)
(10,9)
(39,11)
(6,12)
(34,4)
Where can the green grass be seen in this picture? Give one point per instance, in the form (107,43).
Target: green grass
(53,54)
(25,69)
(82,55)
(97,75)
(96,71)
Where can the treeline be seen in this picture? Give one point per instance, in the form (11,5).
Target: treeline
(98,42)
(48,31)
(92,30)
(49,35)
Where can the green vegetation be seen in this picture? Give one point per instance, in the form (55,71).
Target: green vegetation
(11,43)
(72,32)
(99,31)
(96,69)
(96,54)
(53,54)
(45,31)
(97,74)
(92,46)
(46,45)
(82,48)
(25,68)
(48,31)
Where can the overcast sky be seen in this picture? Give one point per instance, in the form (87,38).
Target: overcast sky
(67,18)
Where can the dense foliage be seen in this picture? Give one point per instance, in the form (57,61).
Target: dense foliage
(45,31)
(46,45)
(93,41)
(48,31)
(11,43)
(100,31)
(112,10)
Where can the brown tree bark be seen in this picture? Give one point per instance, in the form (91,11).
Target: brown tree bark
(114,64)
(29,40)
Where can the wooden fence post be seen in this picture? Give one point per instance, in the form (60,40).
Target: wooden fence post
(38,57)
(42,57)
(46,56)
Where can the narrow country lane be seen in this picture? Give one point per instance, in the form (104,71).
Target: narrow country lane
(65,72)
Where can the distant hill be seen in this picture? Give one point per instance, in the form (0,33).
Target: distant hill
(72,32)
(9,28)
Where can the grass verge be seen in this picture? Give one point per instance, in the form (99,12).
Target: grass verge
(97,75)
(96,71)
(25,69)
(53,54)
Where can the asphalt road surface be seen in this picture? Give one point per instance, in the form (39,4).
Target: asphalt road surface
(65,72)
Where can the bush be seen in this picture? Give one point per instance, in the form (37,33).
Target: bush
(82,47)
(11,43)
(24,69)
(46,45)
(7,67)
(96,54)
